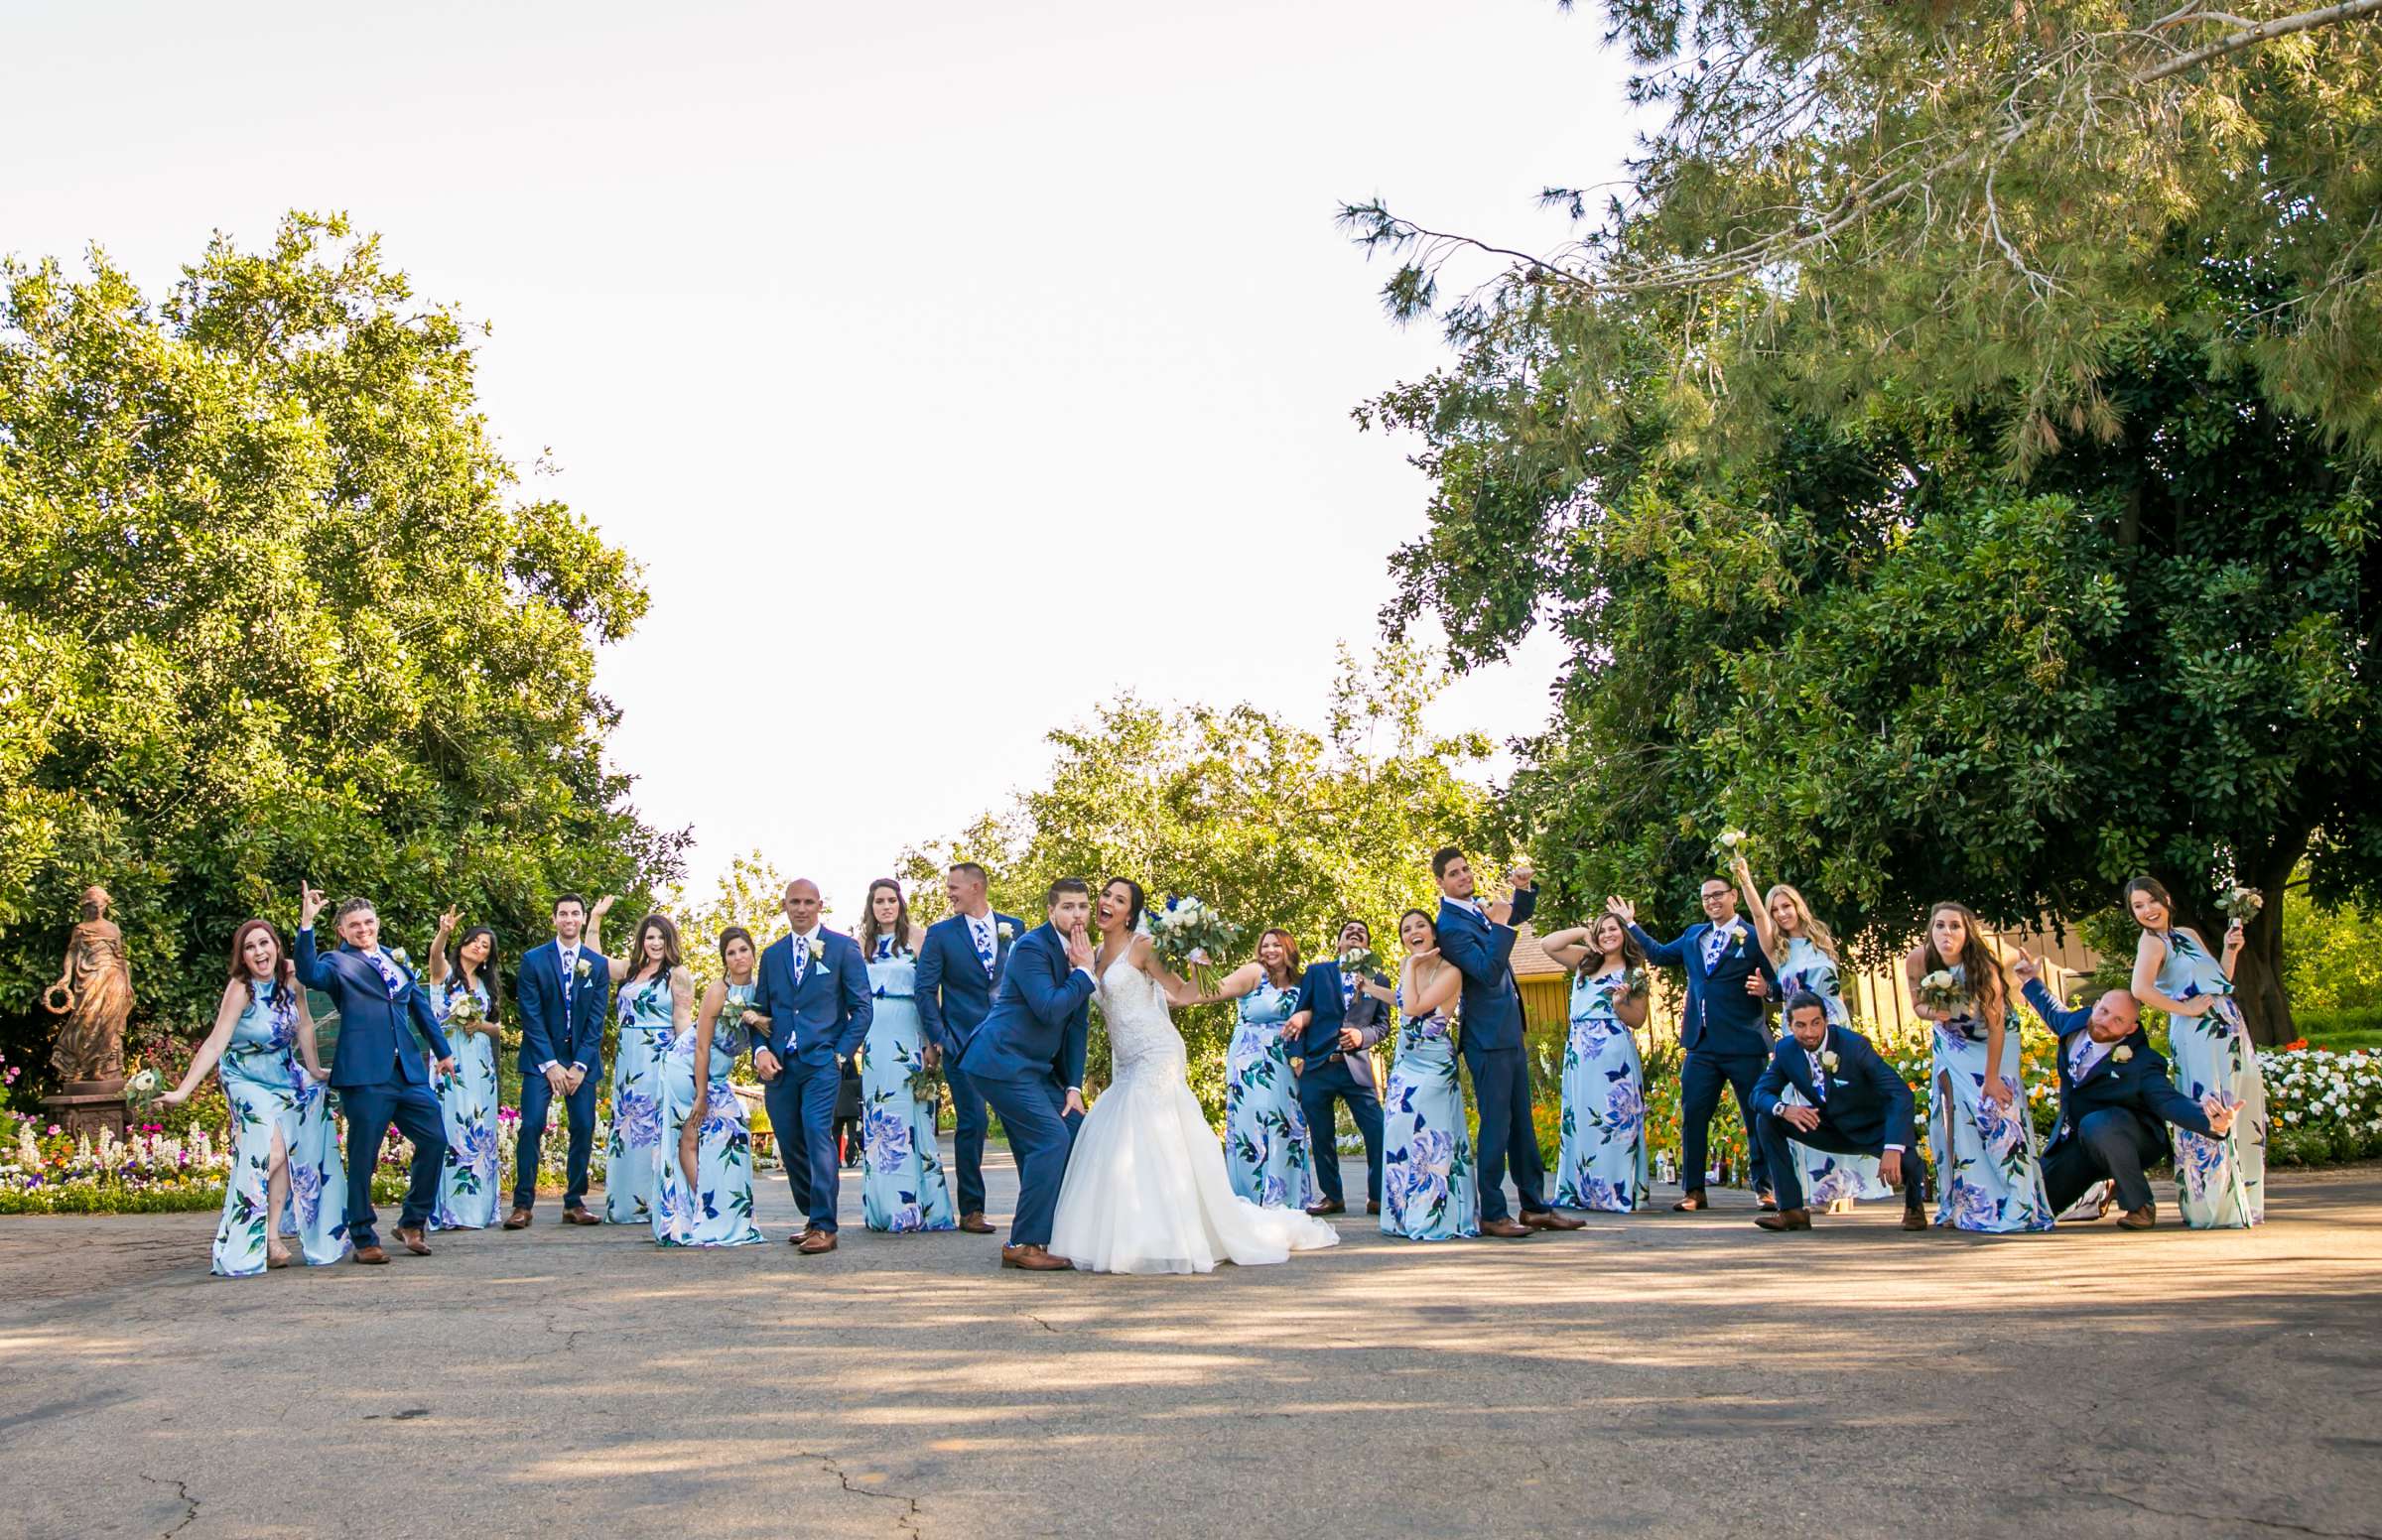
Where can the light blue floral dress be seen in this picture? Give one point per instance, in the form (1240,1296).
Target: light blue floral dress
(267,1090)
(2222,1183)
(1264,1132)
(1603,1162)
(1828,1177)
(1428,1188)
(637,1076)
(902,1187)
(718,1210)
(468,1184)
(1988,1176)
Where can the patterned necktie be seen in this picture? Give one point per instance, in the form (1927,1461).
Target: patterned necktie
(1716,942)
(389,975)
(1348,990)
(981,931)
(1820,1077)
(802,959)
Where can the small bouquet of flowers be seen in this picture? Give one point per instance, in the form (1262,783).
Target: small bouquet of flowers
(1190,935)
(1360,963)
(1635,983)
(143,1087)
(1730,846)
(2240,903)
(463,1010)
(926,1085)
(1942,991)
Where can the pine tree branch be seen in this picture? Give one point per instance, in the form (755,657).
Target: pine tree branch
(2280,26)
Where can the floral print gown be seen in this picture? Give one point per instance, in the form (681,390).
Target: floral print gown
(637,1068)
(1828,1177)
(1264,1132)
(1428,1188)
(902,1187)
(468,1187)
(269,1091)
(718,1210)
(1604,1162)
(1988,1177)
(2221,1182)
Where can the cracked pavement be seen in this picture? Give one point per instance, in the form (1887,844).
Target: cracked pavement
(1664,1374)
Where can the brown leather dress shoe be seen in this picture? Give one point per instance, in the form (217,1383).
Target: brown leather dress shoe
(1549,1219)
(1504,1229)
(1785,1219)
(2144,1217)
(517,1219)
(1319,1210)
(579,1216)
(1372,1206)
(975,1225)
(1915,1219)
(1034,1260)
(816,1242)
(372,1255)
(413,1241)
(1692,1202)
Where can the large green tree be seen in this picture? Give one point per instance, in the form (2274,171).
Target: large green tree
(271,608)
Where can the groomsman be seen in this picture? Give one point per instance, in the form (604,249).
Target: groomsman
(1724,1033)
(812,990)
(1850,1102)
(959,975)
(565,989)
(1027,1056)
(1337,1025)
(2115,1102)
(376,1070)
(1477,941)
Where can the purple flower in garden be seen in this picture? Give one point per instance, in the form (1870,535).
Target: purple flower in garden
(886,1139)
(637,1120)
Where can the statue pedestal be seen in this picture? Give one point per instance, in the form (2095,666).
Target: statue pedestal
(87,1106)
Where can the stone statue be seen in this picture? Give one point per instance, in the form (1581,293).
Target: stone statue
(93,994)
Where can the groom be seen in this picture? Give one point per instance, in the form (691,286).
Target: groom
(959,974)
(564,991)
(1028,1058)
(812,990)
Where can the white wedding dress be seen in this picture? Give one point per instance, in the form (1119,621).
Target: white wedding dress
(1145,1190)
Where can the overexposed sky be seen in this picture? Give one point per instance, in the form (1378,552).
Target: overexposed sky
(949,366)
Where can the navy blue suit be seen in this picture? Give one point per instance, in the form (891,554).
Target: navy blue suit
(561,1022)
(2114,1121)
(1483,951)
(1023,1056)
(1327,1074)
(812,1027)
(1723,1036)
(955,995)
(380,1077)
(1864,1108)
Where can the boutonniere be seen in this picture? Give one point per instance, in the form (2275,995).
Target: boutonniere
(1005,931)
(1828,1060)
(818,950)
(2123,1055)
(581,972)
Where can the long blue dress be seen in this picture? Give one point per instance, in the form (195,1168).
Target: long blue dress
(1429,1191)
(1264,1132)
(2220,1183)
(269,1091)
(638,1089)
(1826,1177)
(1603,1162)
(718,1210)
(902,1187)
(1988,1176)
(469,1184)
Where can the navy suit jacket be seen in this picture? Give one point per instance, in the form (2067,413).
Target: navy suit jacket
(562,1019)
(826,1017)
(374,1047)
(954,995)
(2140,1086)
(1720,1017)
(1040,1028)
(1483,951)
(1867,1101)
(1323,990)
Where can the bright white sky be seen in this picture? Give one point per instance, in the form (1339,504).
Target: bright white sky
(949,366)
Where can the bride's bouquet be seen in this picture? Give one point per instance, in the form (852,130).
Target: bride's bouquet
(1189,935)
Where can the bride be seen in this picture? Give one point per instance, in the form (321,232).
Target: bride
(1145,1190)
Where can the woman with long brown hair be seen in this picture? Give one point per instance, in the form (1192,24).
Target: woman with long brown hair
(2221,1181)
(464,991)
(902,1187)
(1603,1163)
(655,1004)
(1430,1189)
(703,1182)
(286,1170)
(1264,1132)
(1984,1145)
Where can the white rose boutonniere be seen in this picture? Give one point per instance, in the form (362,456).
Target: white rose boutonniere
(582,969)
(2123,1055)
(1005,931)
(1828,1060)
(818,950)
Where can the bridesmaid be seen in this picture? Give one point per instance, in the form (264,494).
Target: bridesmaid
(2222,1181)
(1977,1121)
(656,1005)
(1264,1132)
(703,1184)
(903,1187)
(1604,1161)
(1805,955)
(464,997)
(1428,1188)
(286,1148)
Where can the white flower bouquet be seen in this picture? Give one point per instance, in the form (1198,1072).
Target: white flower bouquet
(2239,902)
(1942,991)
(1189,935)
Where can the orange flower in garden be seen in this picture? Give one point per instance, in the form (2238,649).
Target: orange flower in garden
(2296,1045)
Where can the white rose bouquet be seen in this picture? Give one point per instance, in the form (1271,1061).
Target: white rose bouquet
(1189,935)
(2239,902)
(1942,991)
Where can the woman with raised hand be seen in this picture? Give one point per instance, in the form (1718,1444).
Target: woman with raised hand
(1430,1189)
(286,1148)
(1977,1119)
(1804,954)
(902,1187)
(464,997)
(702,1187)
(2222,1181)
(1603,1163)
(1264,1132)
(656,1003)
